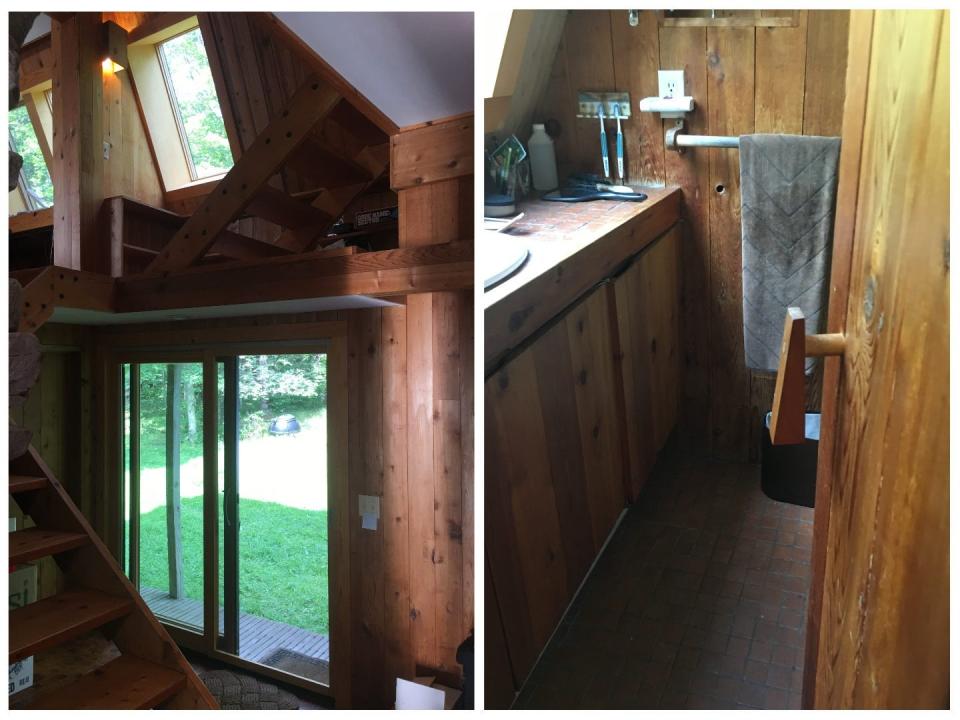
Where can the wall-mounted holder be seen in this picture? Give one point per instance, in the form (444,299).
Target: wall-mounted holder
(668,107)
(588,104)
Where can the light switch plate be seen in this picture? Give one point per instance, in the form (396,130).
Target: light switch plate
(670,83)
(370,505)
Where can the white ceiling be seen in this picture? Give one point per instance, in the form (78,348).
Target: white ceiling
(414,66)
(41,26)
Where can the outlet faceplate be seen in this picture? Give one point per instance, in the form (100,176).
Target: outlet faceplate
(670,83)
(370,505)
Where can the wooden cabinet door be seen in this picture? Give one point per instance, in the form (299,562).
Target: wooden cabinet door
(648,321)
(878,629)
(554,471)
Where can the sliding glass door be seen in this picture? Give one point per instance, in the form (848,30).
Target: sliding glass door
(230,525)
(164,515)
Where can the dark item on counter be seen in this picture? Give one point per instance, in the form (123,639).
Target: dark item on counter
(584,194)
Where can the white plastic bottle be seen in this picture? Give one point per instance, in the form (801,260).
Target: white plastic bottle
(543,159)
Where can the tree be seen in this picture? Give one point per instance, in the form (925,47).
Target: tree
(196,97)
(23,140)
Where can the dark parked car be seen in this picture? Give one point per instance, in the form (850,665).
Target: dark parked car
(284,425)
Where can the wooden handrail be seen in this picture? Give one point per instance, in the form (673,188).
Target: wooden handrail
(787,421)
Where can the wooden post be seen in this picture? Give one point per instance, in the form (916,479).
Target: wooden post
(78,142)
(431,170)
(174,544)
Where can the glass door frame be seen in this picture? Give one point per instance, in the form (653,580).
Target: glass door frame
(131,504)
(211,642)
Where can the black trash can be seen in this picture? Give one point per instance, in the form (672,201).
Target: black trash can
(788,473)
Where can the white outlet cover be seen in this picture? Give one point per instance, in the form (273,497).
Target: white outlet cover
(370,505)
(670,83)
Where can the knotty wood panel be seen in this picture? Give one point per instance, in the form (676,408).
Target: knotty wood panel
(411,409)
(554,472)
(635,68)
(861,35)
(77,171)
(685,48)
(648,318)
(130,169)
(783,78)
(884,620)
(730,90)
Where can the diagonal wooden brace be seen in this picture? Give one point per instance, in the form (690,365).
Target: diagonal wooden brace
(265,156)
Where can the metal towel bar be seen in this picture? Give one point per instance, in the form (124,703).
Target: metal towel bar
(677,139)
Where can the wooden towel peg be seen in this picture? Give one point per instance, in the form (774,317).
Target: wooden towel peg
(787,422)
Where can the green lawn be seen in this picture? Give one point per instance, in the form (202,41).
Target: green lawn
(283,571)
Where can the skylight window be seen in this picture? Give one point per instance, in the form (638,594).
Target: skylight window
(186,71)
(35,182)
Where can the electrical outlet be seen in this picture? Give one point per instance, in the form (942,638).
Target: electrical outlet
(671,83)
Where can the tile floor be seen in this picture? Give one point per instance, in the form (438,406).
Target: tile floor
(698,601)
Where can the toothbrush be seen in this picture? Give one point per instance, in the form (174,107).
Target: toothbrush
(616,110)
(603,143)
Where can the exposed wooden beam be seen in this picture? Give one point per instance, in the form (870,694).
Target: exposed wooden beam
(325,71)
(381,274)
(309,105)
(78,143)
(64,287)
(435,151)
(157,22)
(22,222)
(186,200)
(36,63)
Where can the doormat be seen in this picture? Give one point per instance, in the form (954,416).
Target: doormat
(298,664)
(235,691)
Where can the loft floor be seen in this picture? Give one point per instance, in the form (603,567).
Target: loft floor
(698,601)
(259,638)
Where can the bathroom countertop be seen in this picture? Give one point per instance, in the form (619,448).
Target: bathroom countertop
(572,247)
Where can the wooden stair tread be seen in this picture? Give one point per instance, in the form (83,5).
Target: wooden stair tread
(35,543)
(25,483)
(126,683)
(63,617)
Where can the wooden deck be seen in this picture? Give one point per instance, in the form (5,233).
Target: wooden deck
(259,637)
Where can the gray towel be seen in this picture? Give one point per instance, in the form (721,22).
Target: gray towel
(788,186)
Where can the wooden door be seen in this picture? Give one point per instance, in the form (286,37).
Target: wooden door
(878,630)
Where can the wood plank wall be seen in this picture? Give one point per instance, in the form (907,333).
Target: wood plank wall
(131,169)
(411,434)
(744,79)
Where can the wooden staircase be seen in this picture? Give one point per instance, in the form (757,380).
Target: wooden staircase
(136,664)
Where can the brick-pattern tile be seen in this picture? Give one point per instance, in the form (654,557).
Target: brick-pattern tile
(698,602)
